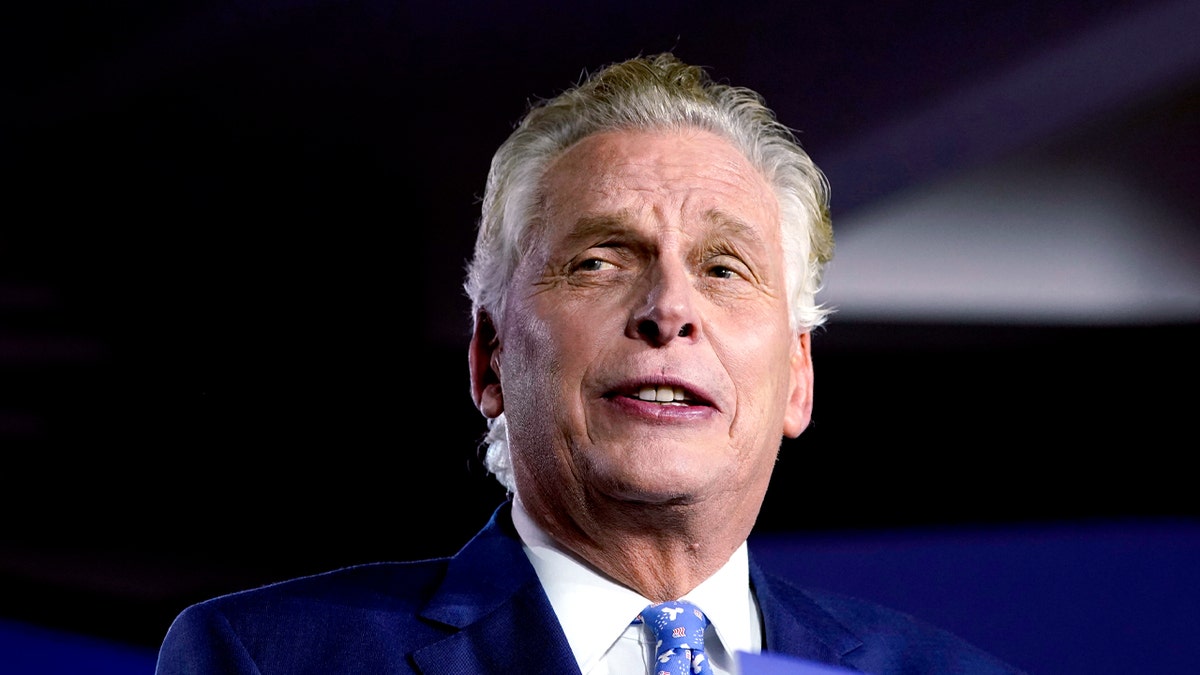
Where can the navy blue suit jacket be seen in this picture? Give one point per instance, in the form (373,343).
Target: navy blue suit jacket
(477,612)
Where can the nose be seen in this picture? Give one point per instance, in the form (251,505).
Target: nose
(667,309)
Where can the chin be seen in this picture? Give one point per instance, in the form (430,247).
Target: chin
(662,489)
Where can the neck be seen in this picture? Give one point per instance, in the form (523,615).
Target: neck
(662,551)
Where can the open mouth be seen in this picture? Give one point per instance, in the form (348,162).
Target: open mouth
(665,394)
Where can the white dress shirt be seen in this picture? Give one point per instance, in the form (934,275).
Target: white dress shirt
(595,612)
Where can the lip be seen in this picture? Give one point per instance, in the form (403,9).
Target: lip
(694,395)
(696,403)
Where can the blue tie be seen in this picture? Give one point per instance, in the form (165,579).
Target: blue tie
(679,626)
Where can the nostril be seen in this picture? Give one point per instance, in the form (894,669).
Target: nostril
(685,330)
(648,328)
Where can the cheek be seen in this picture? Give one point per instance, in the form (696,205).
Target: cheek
(545,356)
(759,369)
(527,350)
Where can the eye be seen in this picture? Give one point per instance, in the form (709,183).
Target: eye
(727,267)
(592,265)
(721,272)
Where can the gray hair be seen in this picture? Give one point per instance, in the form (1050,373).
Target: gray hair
(644,93)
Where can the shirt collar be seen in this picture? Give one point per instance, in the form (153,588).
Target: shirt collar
(594,610)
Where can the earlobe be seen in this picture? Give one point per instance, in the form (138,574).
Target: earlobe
(800,396)
(484,360)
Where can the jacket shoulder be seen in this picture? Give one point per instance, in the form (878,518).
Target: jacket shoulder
(886,641)
(364,618)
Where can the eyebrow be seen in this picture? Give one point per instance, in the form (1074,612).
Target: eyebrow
(732,227)
(723,227)
(600,223)
(598,226)
(590,224)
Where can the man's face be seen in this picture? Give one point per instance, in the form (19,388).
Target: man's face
(645,354)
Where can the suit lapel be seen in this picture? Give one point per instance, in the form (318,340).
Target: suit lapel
(493,605)
(504,641)
(795,625)
(504,620)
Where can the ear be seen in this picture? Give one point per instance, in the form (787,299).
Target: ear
(483,358)
(800,397)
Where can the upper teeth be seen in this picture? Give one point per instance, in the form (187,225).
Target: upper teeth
(662,394)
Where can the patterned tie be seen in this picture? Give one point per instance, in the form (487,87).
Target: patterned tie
(680,628)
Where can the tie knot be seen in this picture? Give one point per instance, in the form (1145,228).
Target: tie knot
(679,627)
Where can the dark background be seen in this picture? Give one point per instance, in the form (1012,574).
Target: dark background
(232,331)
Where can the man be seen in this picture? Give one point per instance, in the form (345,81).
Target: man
(643,289)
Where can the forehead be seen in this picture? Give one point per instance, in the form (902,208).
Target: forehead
(663,175)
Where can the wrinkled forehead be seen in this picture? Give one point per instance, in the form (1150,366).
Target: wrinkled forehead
(667,177)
